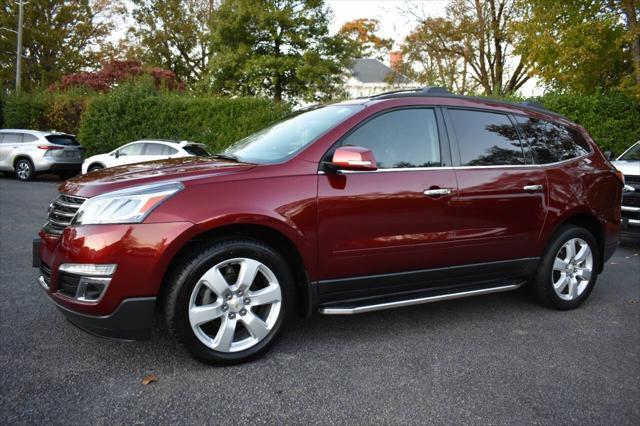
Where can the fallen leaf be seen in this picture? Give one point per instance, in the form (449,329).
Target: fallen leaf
(149,378)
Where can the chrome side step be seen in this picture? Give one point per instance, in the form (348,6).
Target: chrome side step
(337,310)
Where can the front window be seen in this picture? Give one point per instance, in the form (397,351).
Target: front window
(282,140)
(633,154)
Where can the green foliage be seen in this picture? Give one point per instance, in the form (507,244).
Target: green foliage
(136,112)
(59,37)
(278,48)
(612,119)
(45,111)
(575,45)
(173,34)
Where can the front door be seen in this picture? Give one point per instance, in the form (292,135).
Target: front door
(383,222)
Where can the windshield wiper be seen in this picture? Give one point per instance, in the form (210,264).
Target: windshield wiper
(227,157)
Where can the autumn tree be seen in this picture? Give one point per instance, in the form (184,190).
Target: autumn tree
(172,34)
(363,33)
(277,48)
(473,45)
(59,37)
(582,46)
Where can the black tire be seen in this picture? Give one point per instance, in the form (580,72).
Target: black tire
(542,284)
(94,167)
(186,274)
(24,169)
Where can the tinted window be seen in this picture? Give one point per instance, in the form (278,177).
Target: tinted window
(486,138)
(133,149)
(400,139)
(196,150)
(282,140)
(62,140)
(550,142)
(11,138)
(158,149)
(632,154)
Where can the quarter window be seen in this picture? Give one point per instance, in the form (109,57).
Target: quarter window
(550,142)
(400,139)
(486,138)
(28,138)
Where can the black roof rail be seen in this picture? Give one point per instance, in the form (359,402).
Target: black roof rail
(418,91)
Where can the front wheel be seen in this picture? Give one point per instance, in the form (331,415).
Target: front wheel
(228,300)
(568,271)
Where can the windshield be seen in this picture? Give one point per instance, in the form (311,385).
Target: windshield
(633,154)
(285,138)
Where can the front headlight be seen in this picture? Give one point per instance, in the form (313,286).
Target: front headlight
(130,205)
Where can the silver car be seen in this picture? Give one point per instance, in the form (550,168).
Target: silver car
(28,152)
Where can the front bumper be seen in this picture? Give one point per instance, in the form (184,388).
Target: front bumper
(630,219)
(142,253)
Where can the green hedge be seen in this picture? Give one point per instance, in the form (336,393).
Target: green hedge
(612,119)
(131,113)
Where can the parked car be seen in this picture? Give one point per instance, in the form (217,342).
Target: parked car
(399,199)
(629,164)
(144,150)
(29,152)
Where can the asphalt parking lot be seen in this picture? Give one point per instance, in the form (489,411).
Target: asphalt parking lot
(499,359)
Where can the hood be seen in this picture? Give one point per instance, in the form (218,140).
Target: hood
(177,169)
(628,168)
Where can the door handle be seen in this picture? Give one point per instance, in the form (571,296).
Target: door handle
(437,192)
(533,188)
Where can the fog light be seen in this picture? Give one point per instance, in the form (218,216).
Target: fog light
(88,269)
(91,289)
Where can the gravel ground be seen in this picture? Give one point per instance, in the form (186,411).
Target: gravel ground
(497,359)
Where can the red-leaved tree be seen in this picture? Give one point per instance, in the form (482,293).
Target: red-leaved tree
(114,73)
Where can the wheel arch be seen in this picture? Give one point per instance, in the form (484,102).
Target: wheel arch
(96,163)
(263,233)
(22,157)
(591,223)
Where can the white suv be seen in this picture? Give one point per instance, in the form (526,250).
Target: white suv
(143,150)
(27,152)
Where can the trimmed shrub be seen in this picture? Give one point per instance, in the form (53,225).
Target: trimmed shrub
(44,111)
(612,119)
(139,112)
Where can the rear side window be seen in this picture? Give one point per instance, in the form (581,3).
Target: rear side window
(11,138)
(26,137)
(550,142)
(158,149)
(486,138)
(400,139)
(196,150)
(62,140)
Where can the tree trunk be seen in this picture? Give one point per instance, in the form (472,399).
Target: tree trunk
(629,8)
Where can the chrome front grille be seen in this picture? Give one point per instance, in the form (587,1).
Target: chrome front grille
(61,213)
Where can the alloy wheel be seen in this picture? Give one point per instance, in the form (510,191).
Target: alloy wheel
(235,305)
(572,269)
(23,170)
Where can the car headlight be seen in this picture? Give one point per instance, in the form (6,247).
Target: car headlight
(130,205)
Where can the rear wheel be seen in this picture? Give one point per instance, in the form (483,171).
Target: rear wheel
(568,271)
(227,301)
(24,169)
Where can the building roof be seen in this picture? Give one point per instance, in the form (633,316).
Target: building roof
(373,71)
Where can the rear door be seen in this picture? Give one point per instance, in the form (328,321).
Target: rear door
(502,196)
(157,151)
(382,222)
(71,151)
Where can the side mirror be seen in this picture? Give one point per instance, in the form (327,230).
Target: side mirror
(116,154)
(610,155)
(353,158)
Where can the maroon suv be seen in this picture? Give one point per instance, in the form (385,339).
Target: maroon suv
(399,199)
